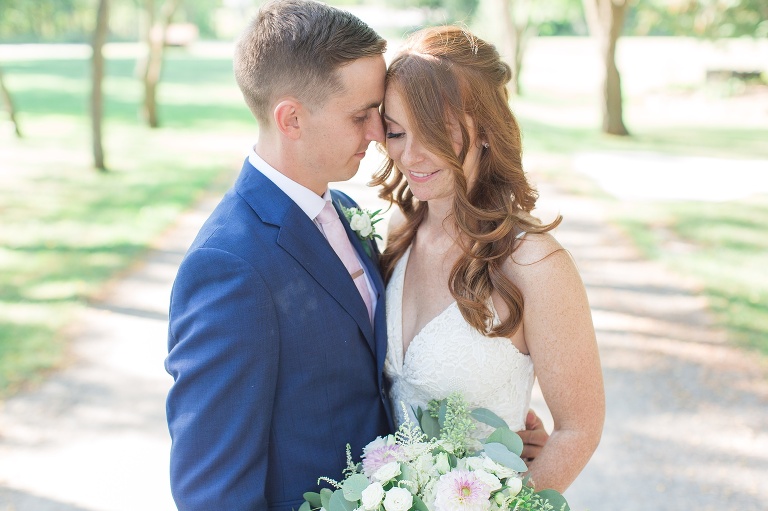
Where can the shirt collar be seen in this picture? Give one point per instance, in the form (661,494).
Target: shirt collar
(306,199)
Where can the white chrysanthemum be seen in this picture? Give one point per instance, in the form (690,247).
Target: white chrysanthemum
(380,452)
(461,490)
(387,472)
(398,499)
(372,496)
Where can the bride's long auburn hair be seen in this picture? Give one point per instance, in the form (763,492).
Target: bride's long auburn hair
(450,79)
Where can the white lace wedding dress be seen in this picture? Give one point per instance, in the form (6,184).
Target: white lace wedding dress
(448,356)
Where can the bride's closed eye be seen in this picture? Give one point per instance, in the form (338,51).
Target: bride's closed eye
(394,135)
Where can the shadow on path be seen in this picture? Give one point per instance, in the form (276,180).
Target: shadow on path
(687,416)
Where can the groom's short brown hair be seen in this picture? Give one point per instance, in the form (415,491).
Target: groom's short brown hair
(294,48)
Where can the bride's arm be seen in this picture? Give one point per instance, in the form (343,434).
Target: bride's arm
(560,338)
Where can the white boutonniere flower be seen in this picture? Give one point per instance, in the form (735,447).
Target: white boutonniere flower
(362,222)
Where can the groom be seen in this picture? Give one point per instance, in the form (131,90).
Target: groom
(276,347)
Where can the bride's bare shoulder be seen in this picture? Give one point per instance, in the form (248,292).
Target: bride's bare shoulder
(534,247)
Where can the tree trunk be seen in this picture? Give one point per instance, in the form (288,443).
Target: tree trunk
(152,65)
(9,105)
(606,19)
(97,99)
(515,15)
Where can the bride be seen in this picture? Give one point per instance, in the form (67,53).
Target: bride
(481,298)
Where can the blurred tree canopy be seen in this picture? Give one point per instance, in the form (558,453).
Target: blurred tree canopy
(72,20)
(702,18)
(23,21)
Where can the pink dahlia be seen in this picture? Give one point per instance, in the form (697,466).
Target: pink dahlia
(374,459)
(461,490)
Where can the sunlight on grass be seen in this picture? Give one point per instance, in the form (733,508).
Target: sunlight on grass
(720,245)
(723,246)
(67,229)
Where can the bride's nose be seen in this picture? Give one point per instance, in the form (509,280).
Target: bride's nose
(413,152)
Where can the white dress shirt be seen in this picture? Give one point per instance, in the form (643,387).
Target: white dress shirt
(309,202)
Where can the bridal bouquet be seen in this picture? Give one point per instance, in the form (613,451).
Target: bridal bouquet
(437,466)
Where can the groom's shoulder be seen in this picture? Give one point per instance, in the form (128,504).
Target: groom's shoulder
(345,200)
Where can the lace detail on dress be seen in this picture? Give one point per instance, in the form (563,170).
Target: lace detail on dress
(447,356)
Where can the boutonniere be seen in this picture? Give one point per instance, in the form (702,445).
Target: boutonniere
(362,222)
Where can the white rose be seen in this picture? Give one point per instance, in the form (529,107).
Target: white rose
(360,222)
(441,463)
(500,470)
(398,499)
(366,231)
(473,463)
(490,480)
(372,496)
(514,485)
(387,472)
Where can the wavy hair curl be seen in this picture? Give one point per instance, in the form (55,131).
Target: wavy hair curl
(448,78)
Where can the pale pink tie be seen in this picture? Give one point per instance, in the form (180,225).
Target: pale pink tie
(337,237)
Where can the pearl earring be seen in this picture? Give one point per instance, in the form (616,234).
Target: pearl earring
(486,145)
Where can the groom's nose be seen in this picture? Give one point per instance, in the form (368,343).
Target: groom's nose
(375,128)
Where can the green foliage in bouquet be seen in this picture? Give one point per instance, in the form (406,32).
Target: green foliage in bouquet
(437,465)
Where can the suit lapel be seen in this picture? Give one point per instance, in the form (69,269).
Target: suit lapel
(301,238)
(380,319)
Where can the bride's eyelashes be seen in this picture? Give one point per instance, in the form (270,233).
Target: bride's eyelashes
(394,135)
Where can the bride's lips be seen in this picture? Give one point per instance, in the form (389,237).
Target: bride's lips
(421,177)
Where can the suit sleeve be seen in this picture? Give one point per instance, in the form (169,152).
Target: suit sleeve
(223,356)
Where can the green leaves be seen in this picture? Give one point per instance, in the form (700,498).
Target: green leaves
(313,499)
(353,487)
(556,500)
(508,439)
(337,502)
(488,417)
(430,426)
(503,456)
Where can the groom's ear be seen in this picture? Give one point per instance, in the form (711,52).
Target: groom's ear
(286,115)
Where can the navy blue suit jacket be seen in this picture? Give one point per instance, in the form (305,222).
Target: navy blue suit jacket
(276,366)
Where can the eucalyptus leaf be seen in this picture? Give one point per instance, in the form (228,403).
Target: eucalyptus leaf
(418,504)
(406,473)
(556,500)
(305,506)
(488,417)
(429,426)
(507,438)
(325,497)
(339,503)
(441,413)
(353,487)
(500,454)
(313,499)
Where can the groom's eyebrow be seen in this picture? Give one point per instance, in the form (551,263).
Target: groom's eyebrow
(372,104)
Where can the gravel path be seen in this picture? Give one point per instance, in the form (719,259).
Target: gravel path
(687,424)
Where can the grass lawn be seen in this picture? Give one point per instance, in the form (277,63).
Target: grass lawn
(66,228)
(721,245)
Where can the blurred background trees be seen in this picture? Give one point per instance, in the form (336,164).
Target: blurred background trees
(158,23)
